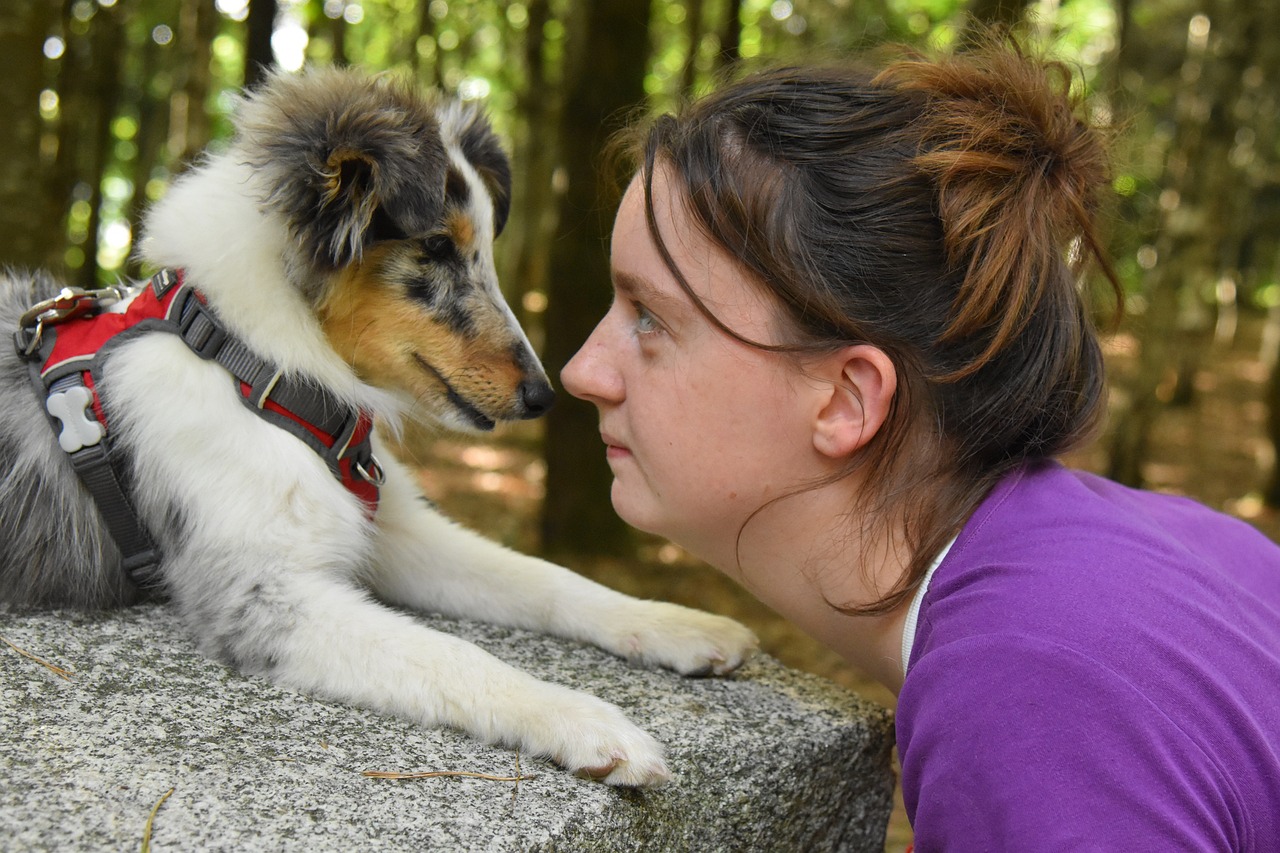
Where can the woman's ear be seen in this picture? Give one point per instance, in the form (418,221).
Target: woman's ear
(861,381)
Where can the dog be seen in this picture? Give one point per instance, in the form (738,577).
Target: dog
(341,248)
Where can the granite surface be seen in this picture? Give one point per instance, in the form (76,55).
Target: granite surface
(769,759)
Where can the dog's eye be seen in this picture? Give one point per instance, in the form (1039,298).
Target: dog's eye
(438,247)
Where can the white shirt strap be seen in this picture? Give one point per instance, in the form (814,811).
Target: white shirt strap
(913,612)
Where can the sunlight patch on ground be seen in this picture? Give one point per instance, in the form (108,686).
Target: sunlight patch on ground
(1253,371)
(1248,507)
(483,456)
(1166,477)
(1255,411)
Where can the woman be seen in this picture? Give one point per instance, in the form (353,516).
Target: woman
(848,338)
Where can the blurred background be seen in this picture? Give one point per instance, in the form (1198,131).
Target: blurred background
(106,100)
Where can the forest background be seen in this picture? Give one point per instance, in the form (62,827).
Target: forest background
(106,100)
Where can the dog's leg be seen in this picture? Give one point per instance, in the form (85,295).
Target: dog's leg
(264,556)
(426,562)
(322,636)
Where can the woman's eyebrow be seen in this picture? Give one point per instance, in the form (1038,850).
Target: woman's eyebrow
(641,289)
(631,284)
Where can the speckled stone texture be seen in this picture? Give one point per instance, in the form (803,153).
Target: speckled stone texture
(769,759)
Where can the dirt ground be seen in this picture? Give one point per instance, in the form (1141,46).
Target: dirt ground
(1214,450)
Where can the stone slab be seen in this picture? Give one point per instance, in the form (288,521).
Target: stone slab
(769,759)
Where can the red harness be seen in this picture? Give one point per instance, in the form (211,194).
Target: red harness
(64,340)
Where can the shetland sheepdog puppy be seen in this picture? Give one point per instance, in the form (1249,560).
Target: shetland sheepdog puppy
(330,270)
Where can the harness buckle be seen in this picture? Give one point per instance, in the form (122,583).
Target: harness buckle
(198,329)
(69,303)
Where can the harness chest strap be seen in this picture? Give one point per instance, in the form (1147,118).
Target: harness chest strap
(65,367)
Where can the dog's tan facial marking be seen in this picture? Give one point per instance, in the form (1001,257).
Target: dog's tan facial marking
(461,229)
(396,341)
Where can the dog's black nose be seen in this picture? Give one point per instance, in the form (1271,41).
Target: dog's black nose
(537,396)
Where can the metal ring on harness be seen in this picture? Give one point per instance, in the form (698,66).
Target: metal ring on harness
(69,303)
(374,474)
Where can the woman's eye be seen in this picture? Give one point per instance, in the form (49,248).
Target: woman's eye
(645,322)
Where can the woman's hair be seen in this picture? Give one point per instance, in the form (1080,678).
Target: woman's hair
(940,210)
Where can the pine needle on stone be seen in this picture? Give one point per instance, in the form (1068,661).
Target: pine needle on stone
(146,830)
(436,774)
(56,670)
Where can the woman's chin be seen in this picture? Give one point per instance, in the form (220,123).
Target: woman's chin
(633,512)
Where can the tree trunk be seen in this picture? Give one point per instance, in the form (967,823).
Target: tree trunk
(730,36)
(336,32)
(602,80)
(532,225)
(428,27)
(189,129)
(1122,57)
(30,216)
(108,54)
(75,116)
(693,32)
(153,121)
(259,58)
(1266,118)
(87,86)
(1199,212)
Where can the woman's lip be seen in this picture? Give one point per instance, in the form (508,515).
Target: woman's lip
(612,447)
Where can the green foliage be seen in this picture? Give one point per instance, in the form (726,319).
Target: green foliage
(475,48)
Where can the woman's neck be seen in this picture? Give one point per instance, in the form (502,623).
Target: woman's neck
(806,558)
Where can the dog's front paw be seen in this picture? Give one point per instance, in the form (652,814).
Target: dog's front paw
(689,641)
(594,739)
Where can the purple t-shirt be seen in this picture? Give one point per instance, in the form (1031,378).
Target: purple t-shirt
(1095,668)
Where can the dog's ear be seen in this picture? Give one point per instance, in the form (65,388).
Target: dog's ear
(484,152)
(346,159)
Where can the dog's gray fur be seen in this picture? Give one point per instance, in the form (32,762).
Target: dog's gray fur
(53,546)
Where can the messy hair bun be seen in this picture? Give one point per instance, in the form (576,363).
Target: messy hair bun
(1017,175)
(942,210)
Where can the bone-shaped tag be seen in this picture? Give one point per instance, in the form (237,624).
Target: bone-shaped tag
(79,429)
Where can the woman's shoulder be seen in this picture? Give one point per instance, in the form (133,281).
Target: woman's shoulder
(1112,572)
(1015,741)
(1090,630)
(1055,537)
(1055,504)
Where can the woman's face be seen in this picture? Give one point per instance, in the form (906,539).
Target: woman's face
(700,429)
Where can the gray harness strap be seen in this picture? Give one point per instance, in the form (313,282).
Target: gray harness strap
(103,474)
(340,434)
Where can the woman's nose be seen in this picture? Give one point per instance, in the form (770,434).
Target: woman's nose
(591,375)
